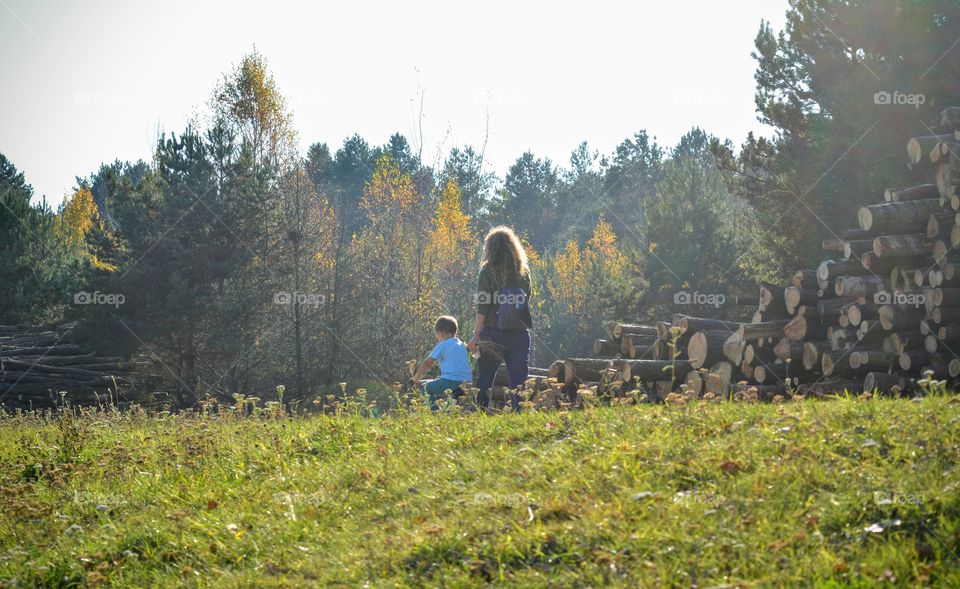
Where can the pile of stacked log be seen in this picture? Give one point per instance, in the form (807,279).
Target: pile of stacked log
(882,314)
(44,366)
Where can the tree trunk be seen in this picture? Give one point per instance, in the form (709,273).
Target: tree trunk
(840,338)
(624,329)
(605,347)
(831,269)
(787,349)
(902,246)
(950,117)
(579,370)
(918,148)
(809,312)
(947,176)
(693,324)
(557,370)
(651,352)
(913,359)
(694,383)
(882,382)
(953,368)
(805,279)
(835,307)
(297,322)
(870,331)
(949,333)
(871,360)
(811,354)
(665,338)
(857,286)
(733,349)
(706,347)
(764,329)
(853,234)
(772,300)
(776,372)
(854,250)
(753,354)
(333,304)
(904,341)
(937,372)
(951,275)
(799,329)
(793,297)
(834,362)
(653,370)
(897,318)
(856,313)
(717,381)
(943,254)
(919,192)
(942,315)
(946,297)
(897,217)
(905,278)
(940,224)
(832,244)
(830,387)
(745,300)
(190,378)
(637,346)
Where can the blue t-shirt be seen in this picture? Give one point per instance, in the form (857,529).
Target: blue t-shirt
(451,353)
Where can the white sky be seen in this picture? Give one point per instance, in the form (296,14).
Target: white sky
(90,82)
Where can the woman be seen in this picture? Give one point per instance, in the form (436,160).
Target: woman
(503,313)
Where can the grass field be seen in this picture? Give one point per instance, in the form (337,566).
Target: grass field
(848,492)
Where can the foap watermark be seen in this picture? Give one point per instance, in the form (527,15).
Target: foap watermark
(499,298)
(304,299)
(500,499)
(898,98)
(888,498)
(87,98)
(102,501)
(696,497)
(285,499)
(685,297)
(98,298)
(914,299)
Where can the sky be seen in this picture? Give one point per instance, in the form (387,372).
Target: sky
(95,81)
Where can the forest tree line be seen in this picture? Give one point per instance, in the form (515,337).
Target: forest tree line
(243,263)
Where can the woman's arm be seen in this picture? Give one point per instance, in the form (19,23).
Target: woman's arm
(477,328)
(483,298)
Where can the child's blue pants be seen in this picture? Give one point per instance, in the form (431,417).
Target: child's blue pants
(436,388)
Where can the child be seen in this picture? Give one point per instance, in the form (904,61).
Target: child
(451,353)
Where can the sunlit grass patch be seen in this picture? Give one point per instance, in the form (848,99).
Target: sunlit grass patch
(845,492)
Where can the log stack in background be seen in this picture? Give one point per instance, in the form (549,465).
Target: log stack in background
(879,314)
(37,363)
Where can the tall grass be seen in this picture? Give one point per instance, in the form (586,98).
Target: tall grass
(850,492)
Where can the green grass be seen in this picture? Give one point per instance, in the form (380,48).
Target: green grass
(812,493)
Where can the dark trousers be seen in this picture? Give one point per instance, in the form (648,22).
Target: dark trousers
(496,347)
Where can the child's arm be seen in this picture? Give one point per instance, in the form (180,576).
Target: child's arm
(424,367)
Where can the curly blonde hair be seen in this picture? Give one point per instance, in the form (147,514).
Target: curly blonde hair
(504,255)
